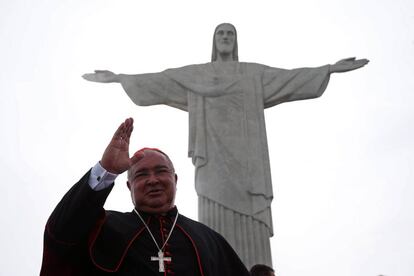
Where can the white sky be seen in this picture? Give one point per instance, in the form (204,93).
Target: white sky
(342,165)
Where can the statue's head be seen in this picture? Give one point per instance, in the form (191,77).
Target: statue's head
(225,42)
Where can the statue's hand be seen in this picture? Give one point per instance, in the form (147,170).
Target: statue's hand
(116,156)
(101,76)
(348,64)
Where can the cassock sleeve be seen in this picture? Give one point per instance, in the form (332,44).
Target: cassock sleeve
(282,85)
(155,88)
(69,227)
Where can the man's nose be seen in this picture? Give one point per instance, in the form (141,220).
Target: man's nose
(152,178)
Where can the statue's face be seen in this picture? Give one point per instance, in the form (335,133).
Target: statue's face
(224,38)
(152,183)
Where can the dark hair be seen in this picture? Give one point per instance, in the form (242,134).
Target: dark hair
(235,48)
(261,270)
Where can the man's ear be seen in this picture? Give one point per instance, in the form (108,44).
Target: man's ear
(176,179)
(128,185)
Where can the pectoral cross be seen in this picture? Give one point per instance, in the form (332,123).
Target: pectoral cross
(161,259)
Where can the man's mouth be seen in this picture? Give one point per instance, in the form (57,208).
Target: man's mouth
(154,192)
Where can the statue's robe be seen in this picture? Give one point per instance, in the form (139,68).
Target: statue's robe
(227,138)
(81,238)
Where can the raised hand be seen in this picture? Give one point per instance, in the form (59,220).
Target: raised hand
(348,64)
(101,76)
(116,156)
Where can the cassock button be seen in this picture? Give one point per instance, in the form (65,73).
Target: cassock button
(98,178)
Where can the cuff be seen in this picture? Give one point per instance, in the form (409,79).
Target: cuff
(100,178)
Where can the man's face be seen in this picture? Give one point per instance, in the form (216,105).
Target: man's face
(224,38)
(152,183)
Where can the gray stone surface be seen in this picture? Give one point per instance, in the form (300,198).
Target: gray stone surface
(225,100)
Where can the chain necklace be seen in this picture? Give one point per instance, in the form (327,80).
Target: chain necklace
(161,259)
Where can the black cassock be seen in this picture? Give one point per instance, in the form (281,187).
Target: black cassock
(81,238)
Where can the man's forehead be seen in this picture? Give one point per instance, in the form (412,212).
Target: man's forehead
(152,159)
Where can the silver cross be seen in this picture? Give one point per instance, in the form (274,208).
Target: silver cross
(161,259)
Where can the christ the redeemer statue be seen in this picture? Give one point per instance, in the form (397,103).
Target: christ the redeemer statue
(225,100)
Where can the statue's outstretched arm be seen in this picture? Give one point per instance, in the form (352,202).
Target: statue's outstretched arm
(102,76)
(348,64)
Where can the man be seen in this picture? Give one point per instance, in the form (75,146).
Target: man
(225,100)
(261,270)
(81,238)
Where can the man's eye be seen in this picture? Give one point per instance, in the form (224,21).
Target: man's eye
(162,171)
(141,174)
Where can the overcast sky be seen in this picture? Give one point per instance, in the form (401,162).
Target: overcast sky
(342,164)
